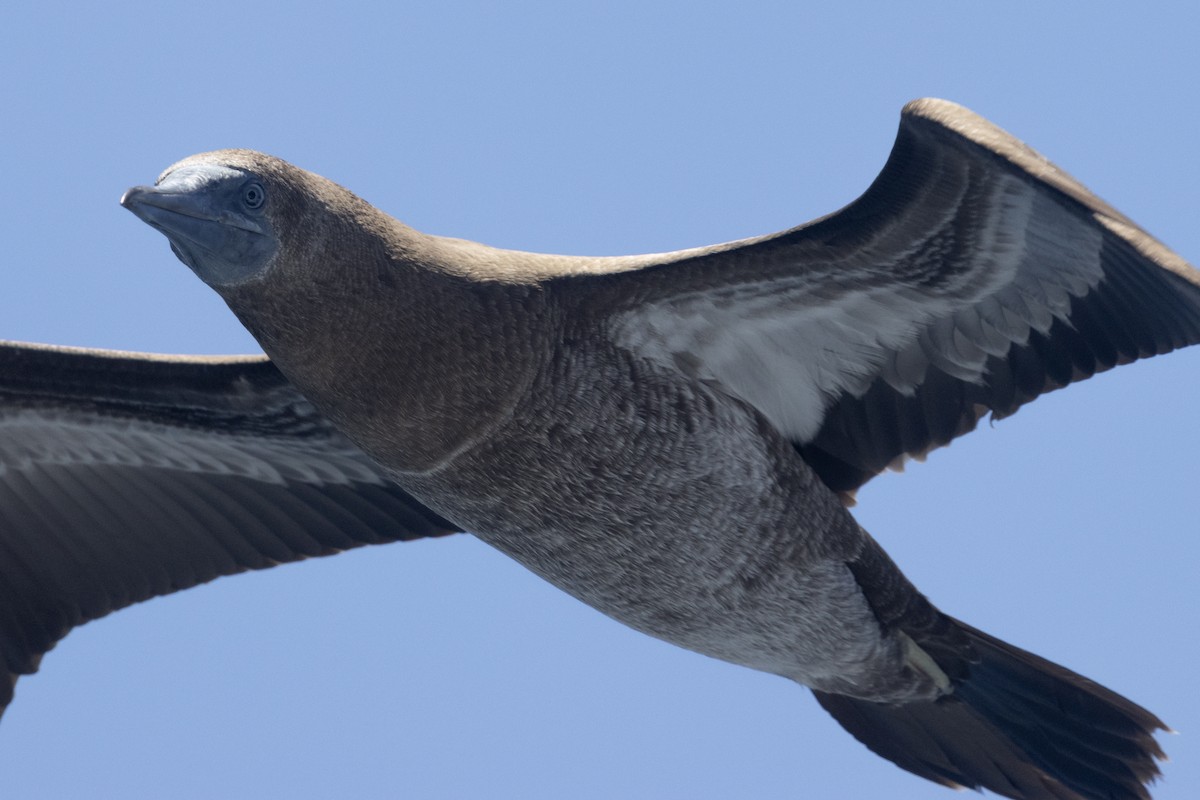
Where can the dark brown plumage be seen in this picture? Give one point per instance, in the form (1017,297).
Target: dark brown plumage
(669,437)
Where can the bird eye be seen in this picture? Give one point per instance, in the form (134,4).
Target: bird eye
(254,195)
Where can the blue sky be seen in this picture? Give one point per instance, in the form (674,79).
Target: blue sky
(441,669)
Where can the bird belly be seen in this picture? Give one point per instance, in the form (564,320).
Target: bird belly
(679,512)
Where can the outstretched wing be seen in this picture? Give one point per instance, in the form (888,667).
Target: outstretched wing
(125,477)
(971,277)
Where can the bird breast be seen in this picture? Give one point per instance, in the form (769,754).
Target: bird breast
(671,507)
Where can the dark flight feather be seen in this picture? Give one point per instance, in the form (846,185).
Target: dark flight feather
(126,477)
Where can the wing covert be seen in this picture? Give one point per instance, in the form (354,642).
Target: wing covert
(970,278)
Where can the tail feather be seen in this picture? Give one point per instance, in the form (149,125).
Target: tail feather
(1017,725)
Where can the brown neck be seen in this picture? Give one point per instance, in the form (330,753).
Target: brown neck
(413,363)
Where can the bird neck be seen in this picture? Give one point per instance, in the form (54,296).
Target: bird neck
(414,363)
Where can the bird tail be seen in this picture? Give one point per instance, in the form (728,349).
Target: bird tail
(1017,725)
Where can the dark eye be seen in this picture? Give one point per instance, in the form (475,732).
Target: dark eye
(253,195)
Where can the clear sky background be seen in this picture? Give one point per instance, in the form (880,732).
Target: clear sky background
(440,669)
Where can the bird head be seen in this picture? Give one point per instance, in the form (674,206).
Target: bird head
(219,211)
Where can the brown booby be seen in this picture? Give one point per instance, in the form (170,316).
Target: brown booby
(671,438)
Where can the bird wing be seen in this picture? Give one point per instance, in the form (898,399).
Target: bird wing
(971,277)
(125,476)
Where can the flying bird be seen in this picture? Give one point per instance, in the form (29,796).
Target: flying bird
(674,439)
